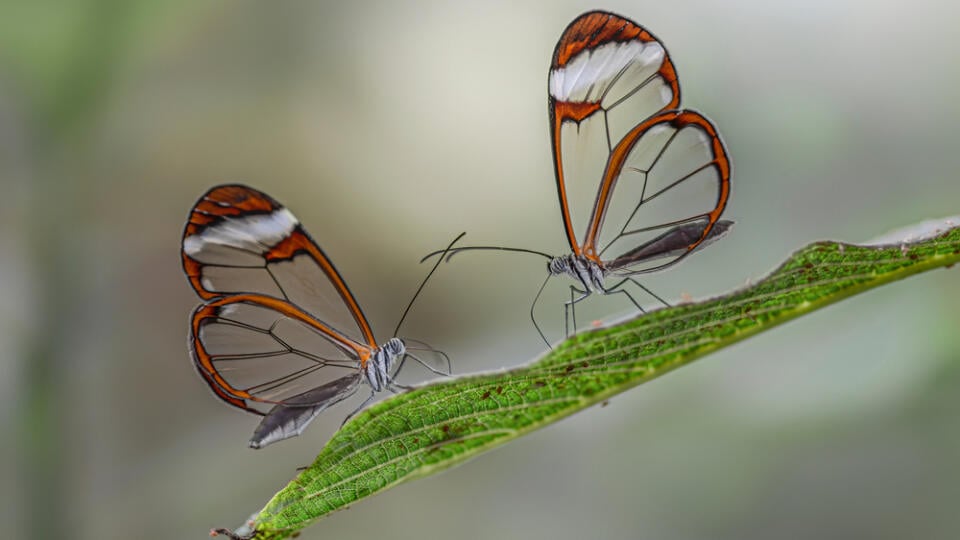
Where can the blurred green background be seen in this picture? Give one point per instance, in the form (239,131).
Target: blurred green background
(388,127)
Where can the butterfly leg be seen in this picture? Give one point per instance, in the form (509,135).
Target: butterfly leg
(396,372)
(394,386)
(534,305)
(360,408)
(646,290)
(570,311)
(427,348)
(428,366)
(618,289)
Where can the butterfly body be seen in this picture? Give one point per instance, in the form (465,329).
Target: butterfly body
(589,273)
(378,366)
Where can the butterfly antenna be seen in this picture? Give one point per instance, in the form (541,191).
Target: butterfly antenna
(424,282)
(449,253)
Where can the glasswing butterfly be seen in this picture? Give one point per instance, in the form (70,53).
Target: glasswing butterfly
(279,333)
(658,175)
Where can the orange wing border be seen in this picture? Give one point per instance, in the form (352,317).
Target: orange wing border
(203,361)
(679,119)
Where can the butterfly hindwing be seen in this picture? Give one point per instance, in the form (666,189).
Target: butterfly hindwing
(255,351)
(668,178)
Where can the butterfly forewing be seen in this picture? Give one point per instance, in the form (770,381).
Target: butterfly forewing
(239,240)
(607,74)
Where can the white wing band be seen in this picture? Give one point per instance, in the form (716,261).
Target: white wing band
(253,233)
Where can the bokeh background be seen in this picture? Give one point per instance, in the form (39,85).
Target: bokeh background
(389,127)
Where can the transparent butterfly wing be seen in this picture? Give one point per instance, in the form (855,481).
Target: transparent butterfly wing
(292,417)
(240,240)
(256,352)
(662,195)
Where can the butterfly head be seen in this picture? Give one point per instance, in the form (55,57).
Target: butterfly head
(559,265)
(394,348)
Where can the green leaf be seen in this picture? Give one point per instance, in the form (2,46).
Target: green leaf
(427,430)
